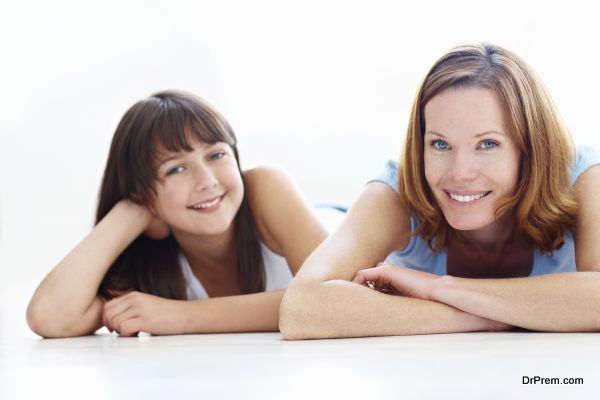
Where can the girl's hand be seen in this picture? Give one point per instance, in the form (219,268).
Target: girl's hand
(398,280)
(154,227)
(139,312)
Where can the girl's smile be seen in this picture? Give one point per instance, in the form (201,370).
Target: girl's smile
(208,205)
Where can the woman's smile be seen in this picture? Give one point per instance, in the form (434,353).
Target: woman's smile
(467,198)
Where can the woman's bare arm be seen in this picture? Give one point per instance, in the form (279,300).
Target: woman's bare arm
(322,303)
(555,302)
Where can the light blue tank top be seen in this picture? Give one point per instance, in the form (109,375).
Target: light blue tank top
(418,255)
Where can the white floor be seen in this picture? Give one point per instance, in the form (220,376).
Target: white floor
(238,366)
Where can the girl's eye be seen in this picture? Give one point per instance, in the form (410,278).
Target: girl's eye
(175,170)
(439,144)
(217,155)
(488,144)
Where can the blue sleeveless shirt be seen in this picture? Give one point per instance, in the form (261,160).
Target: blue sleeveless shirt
(418,255)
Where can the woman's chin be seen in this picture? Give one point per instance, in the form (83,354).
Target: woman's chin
(466,224)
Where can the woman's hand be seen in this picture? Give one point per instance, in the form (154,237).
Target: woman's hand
(403,281)
(139,312)
(398,280)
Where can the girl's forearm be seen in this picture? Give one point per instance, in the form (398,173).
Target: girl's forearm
(257,312)
(558,302)
(66,302)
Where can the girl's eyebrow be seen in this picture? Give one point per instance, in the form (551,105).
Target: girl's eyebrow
(167,160)
(175,156)
(498,132)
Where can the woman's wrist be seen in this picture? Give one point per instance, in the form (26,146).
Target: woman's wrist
(441,287)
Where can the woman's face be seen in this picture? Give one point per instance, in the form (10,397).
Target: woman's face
(199,192)
(471,160)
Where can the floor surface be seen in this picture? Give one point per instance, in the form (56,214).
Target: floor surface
(264,366)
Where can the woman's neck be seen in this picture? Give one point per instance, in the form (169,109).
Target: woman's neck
(493,236)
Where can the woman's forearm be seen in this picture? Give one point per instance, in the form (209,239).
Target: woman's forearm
(257,312)
(558,302)
(338,308)
(66,302)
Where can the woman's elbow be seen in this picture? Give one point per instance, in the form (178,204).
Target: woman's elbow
(298,312)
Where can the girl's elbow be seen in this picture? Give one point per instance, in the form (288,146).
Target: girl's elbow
(47,325)
(38,322)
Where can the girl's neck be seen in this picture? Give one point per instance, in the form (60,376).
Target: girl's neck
(215,252)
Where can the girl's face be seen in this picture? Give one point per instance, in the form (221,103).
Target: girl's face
(199,192)
(471,160)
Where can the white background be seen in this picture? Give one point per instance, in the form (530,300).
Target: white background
(321,88)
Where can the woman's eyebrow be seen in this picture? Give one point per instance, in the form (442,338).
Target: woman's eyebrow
(498,132)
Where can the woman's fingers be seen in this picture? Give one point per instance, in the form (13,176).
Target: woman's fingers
(374,278)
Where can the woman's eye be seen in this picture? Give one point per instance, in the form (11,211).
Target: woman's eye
(217,155)
(175,170)
(488,144)
(439,144)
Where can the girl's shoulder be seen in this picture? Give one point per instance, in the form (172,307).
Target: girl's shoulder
(269,191)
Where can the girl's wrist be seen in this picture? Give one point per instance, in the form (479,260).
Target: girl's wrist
(130,214)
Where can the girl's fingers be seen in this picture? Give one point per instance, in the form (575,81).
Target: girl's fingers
(131,327)
(119,321)
(112,309)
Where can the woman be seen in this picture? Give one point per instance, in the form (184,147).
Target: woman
(490,220)
(178,219)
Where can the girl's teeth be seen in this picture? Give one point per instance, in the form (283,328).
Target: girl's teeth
(467,198)
(209,204)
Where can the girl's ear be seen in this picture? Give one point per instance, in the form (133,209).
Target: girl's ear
(152,210)
(136,198)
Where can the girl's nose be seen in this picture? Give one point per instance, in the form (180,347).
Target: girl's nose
(205,179)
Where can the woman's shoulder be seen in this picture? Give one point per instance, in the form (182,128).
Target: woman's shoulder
(586,156)
(388,175)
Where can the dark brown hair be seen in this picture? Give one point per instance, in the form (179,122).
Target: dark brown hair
(543,201)
(166,120)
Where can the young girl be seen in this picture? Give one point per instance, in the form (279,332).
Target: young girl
(179,220)
(490,221)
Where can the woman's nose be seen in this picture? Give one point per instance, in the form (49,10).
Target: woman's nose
(463,167)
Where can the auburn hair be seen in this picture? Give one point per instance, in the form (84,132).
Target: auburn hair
(167,120)
(543,202)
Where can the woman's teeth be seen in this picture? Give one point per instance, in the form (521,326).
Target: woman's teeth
(468,198)
(207,204)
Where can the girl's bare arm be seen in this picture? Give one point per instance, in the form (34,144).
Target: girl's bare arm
(66,302)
